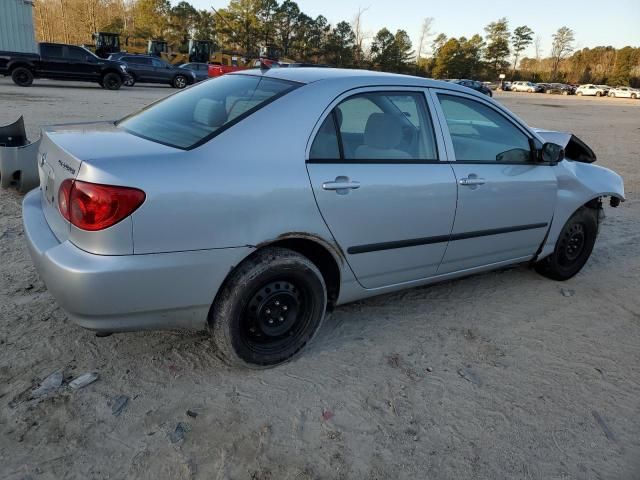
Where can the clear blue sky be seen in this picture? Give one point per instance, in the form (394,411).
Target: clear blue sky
(595,22)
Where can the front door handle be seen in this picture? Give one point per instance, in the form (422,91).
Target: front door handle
(471,181)
(341,185)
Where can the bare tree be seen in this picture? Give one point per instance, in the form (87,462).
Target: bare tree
(561,47)
(425,33)
(359,34)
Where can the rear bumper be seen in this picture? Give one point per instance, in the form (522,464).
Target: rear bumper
(128,292)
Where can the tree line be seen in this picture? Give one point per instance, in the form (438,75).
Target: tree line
(246,25)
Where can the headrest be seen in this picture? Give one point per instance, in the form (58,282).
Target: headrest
(382,131)
(210,113)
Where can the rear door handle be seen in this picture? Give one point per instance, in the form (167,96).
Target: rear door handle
(341,185)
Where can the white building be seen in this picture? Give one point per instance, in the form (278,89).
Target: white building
(16,26)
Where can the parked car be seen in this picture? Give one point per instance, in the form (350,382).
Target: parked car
(529,87)
(58,61)
(590,89)
(606,88)
(506,86)
(627,92)
(150,69)
(475,85)
(558,88)
(160,221)
(201,70)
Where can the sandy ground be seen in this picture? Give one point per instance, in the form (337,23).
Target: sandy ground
(505,375)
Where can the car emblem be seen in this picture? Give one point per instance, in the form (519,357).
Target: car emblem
(43,159)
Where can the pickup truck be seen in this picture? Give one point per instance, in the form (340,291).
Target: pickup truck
(62,62)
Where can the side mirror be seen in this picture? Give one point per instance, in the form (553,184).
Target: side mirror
(551,153)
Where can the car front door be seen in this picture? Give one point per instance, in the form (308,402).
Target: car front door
(78,64)
(506,198)
(380,184)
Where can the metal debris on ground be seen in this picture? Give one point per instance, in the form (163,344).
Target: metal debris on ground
(178,434)
(48,385)
(83,380)
(119,404)
(567,292)
(192,414)
(603,425)
(470,376)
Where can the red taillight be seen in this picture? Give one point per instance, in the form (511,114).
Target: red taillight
(63,198)
(90,206)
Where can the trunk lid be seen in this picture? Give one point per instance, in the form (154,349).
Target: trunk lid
(80,150)
(55,165)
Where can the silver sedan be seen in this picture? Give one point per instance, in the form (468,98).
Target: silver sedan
(253,203)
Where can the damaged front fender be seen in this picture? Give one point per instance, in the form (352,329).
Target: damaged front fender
(18,158)
(574,148)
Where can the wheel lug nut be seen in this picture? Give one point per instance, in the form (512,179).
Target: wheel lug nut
(285,308)
(277,303)
(267,311)
(281,319)
(270,321)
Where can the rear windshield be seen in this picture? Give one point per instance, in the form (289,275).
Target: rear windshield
(192,117)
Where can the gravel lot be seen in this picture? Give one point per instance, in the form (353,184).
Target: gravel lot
(502,375)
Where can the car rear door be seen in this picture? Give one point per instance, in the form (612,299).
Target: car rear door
(53,64)
(506,199)
(380,184)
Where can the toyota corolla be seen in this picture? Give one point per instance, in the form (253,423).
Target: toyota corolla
(253,203)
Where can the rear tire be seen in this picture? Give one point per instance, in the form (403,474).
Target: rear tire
(573,247)
(579,94)
(598,94)
(112,81)
(268,309)
(180,82)
(22,76)
(634,96)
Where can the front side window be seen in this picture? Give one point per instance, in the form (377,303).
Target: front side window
(193,116)
(385,126)
(481,134)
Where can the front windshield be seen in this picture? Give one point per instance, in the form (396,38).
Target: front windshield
(192,117)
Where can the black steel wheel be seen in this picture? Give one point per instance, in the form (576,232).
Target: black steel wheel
(573,247)
(269,308)
(22,77)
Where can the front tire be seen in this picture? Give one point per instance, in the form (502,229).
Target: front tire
(269,308)
(22,76)
(573,247)
(180,81)
(112,81)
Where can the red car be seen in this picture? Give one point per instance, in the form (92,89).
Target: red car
(217,69)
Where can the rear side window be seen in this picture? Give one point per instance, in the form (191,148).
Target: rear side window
(52,51)
(386,126)
(194,116)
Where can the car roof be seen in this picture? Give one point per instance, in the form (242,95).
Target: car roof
(364,77)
